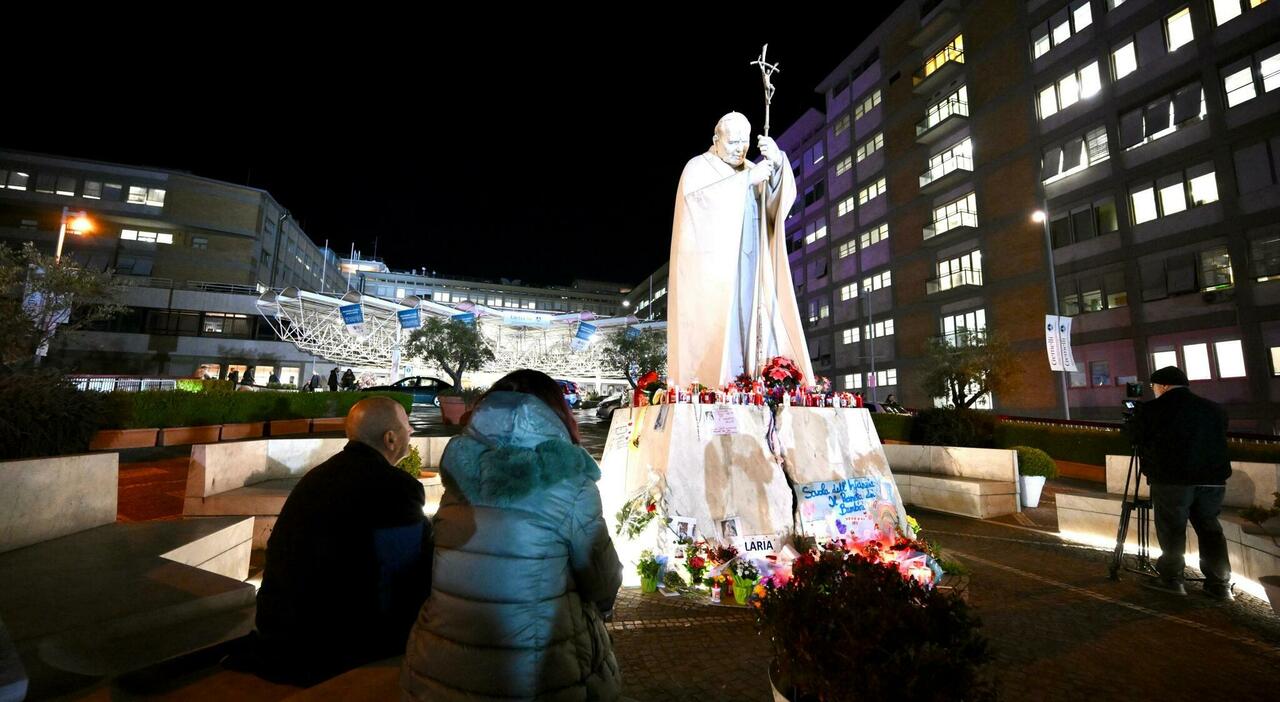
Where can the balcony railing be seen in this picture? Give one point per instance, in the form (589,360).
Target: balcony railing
(955,163)
(953,221)
(964,337)
(952,280)
(935,64)
(940,112)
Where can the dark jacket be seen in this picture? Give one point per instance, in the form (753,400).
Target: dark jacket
(333,380)
(524,565)
(348,566)
(1182,439)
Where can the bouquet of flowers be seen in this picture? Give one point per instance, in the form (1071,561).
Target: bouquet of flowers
(822,385)
(781,376)
(649,384)
(694,561)
(744,382)
(636,514)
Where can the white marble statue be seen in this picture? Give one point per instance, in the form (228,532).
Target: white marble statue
(731,304)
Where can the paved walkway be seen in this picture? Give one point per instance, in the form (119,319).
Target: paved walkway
(1060,629)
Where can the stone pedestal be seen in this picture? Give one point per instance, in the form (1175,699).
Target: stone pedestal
(711,463)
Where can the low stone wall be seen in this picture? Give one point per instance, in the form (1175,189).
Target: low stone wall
(45,498)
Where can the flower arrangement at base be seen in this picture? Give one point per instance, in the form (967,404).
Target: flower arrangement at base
(745,575)
(781,377)
(648,568)
(636,514)
(649,384)
(744,383)
(694,560)
(845,625)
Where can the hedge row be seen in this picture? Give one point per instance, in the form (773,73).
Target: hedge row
(162,409)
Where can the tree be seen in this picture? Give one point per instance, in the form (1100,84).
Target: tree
(633,353)
(40,298)
(455,346)
(966,366)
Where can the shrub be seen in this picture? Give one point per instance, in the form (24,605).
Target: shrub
(44,415)
(1033,461)
(135,410)
(953,427)
(412,463)
(892,426)
(1064,443)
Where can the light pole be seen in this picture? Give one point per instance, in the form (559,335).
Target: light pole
(80,225)
(1042,217)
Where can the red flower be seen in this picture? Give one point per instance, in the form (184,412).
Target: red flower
(652,507)
(697,562)
(647,379)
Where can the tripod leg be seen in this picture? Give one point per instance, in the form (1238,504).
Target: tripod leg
(1117,557)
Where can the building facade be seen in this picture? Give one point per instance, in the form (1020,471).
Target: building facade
(982,164)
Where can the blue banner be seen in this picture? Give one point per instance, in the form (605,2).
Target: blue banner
(468,318)
(632,333)
(580,340)
(410,319)
(352,314)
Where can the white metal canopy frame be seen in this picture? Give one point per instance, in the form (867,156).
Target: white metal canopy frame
(520,339)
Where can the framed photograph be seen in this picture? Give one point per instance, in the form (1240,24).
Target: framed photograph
(730,528)
(684,528)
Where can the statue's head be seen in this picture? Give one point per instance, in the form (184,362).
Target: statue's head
(732,138)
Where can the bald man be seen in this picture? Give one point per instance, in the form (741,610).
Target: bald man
(349,560)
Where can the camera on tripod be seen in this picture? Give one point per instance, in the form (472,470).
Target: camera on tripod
(1132,400)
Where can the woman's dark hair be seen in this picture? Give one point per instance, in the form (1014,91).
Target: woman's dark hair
(543,387)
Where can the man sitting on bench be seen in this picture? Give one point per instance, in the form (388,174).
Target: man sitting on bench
(349,561)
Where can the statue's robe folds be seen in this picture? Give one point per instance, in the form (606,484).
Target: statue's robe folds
(731,301)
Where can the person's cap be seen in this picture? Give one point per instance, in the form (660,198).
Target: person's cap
(1169,375)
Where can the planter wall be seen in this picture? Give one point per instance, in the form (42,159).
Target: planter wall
(181,436)
(247,430)
(114,439)
(452,409)
(281,427)
(328,424)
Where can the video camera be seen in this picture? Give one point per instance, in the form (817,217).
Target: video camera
(1132,400)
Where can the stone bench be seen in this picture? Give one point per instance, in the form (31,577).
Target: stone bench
(970,482)
(117,597)
(1094,518)
(254,478)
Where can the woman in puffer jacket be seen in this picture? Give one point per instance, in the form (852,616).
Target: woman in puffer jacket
(524,565)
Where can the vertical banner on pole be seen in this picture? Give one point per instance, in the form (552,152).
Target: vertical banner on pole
(1064,338)
(353,318)
(1051,342)
(583,337)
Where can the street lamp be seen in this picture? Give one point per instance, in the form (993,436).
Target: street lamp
(1042,217)
(79,225)
(626,303)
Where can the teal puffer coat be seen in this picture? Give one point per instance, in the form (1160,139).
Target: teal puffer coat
(523,567)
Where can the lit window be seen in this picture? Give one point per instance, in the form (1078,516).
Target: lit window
(866,105)
(853,381)
(155,197)
(129,234)
(875,235)
(1204,189)
(845,206)
(1275,361)
(1178,29)
(137,195)
(1164,359)
(1041,46)
(1082,15)
(1048,102)
(1090,81)
(1124,61)
(871,192)
(878,281)
(1230,358)
(18,180)
(847,249)
(844,165)
(1144,205)
(871,146)
(164,238)
(1173,197)
(853,335)
(1225,10)
(1197,359)
(842,124)
(848,292)
(92,189)
(1270,68)
(1215,269)
(1239,86)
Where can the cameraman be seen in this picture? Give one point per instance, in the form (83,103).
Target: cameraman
(1182,441)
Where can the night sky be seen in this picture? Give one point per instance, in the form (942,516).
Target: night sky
(523,154)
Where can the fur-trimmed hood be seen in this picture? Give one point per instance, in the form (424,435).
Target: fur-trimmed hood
(514,445)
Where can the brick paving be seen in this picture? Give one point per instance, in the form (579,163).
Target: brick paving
(1059,628)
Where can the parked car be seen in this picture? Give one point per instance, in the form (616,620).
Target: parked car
(606,407)
(425,391)
(570,390)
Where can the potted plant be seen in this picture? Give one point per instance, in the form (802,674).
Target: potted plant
(455,403)
(648,568)
(455,347)
(849,625)
(1034,468)
(694,561)
(745,575)
(412,463)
